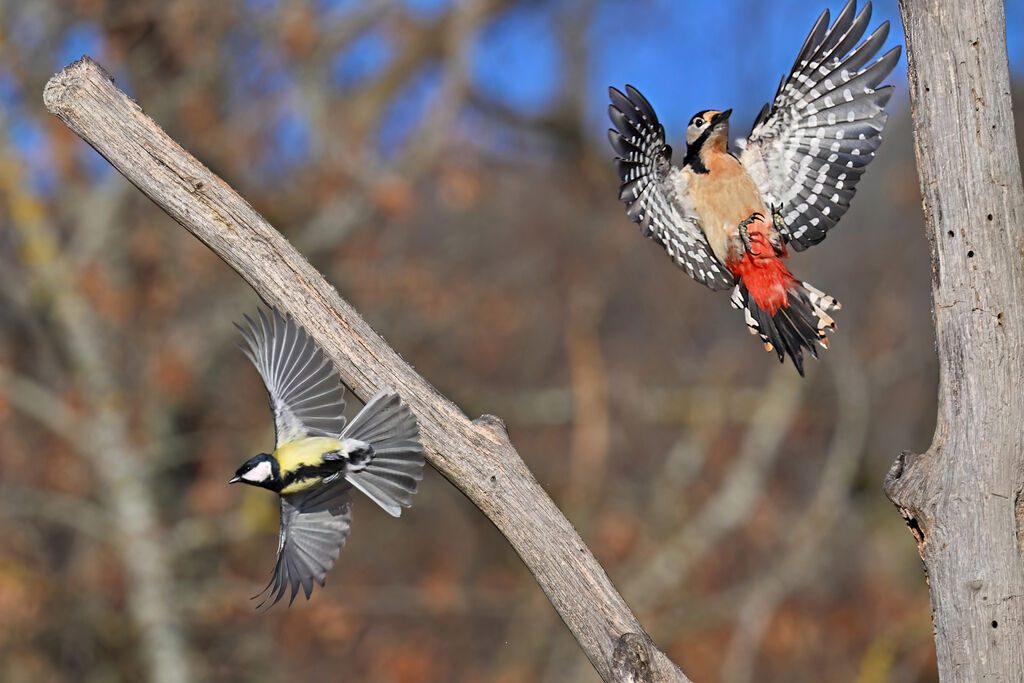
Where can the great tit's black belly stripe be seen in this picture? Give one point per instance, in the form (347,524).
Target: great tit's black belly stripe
(309,475)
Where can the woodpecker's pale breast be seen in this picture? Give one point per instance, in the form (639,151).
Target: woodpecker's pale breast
(723,197)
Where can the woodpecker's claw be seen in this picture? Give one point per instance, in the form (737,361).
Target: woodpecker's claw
(780,224)
(776,237)
(745,234)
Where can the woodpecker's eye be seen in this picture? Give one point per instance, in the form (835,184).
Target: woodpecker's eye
(698,122)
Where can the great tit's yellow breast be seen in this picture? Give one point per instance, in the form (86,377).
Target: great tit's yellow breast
(309,451)
(300,485)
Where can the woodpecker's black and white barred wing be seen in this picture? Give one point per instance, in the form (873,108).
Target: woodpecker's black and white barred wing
(314,527)
(306,394)
(809,148)
(654,191)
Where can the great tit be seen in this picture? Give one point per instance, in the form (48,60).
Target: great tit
(317,460)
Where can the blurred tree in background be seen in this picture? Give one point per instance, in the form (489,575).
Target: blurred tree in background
(444,164)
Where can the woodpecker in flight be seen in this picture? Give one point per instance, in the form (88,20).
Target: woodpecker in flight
(728,220)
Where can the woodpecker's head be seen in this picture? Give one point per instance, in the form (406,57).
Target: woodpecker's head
(708,129)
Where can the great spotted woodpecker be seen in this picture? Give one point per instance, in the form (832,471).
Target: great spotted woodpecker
(727,220)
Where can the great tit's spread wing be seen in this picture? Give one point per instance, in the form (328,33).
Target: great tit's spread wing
(306,394)
(314,527)
(810,146)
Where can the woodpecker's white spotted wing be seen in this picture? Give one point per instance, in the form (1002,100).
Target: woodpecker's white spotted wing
(306,394)
(654,191)
(314,527)
(809,148)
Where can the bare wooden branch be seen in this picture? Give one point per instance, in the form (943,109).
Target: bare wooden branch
(476,456)
(963,498)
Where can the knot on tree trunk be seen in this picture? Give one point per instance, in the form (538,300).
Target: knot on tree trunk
(906,485)
(631,661)
(494,424)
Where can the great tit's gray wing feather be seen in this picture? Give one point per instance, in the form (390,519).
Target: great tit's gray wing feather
(306,394)
(392,474)
(809,147)
(655,192)
(314,527)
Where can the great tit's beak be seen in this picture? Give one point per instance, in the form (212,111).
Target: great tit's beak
(721,117)
(235,480)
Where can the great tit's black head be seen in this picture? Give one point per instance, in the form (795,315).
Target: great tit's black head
(261,470)
(709,124)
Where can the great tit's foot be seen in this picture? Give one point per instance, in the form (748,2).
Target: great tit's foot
(745,234)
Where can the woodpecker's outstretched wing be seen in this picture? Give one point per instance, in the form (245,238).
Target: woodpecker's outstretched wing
(306,394)
(809,148)
(655,191)
(314,527)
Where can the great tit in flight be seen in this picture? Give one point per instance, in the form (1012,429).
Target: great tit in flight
(317,459)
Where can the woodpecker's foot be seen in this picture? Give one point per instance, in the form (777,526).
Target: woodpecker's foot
(745,234)
(778,227)
(780,224)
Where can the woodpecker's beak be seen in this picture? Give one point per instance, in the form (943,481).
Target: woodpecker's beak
(235,480)
(721,117)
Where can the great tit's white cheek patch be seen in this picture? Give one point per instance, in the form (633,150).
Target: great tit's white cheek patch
(261,472)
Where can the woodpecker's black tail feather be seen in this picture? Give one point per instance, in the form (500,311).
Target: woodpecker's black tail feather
(394,470)
(796,326)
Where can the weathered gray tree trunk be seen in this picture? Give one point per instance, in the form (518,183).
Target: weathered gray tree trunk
(476,456)
(963,498)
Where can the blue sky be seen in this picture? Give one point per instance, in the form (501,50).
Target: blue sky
(684,56)
(710,66)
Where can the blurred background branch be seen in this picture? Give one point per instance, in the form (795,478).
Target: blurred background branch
(101,437)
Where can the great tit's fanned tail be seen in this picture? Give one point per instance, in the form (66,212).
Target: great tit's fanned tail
(306,394)
(314,527)
(393,472)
